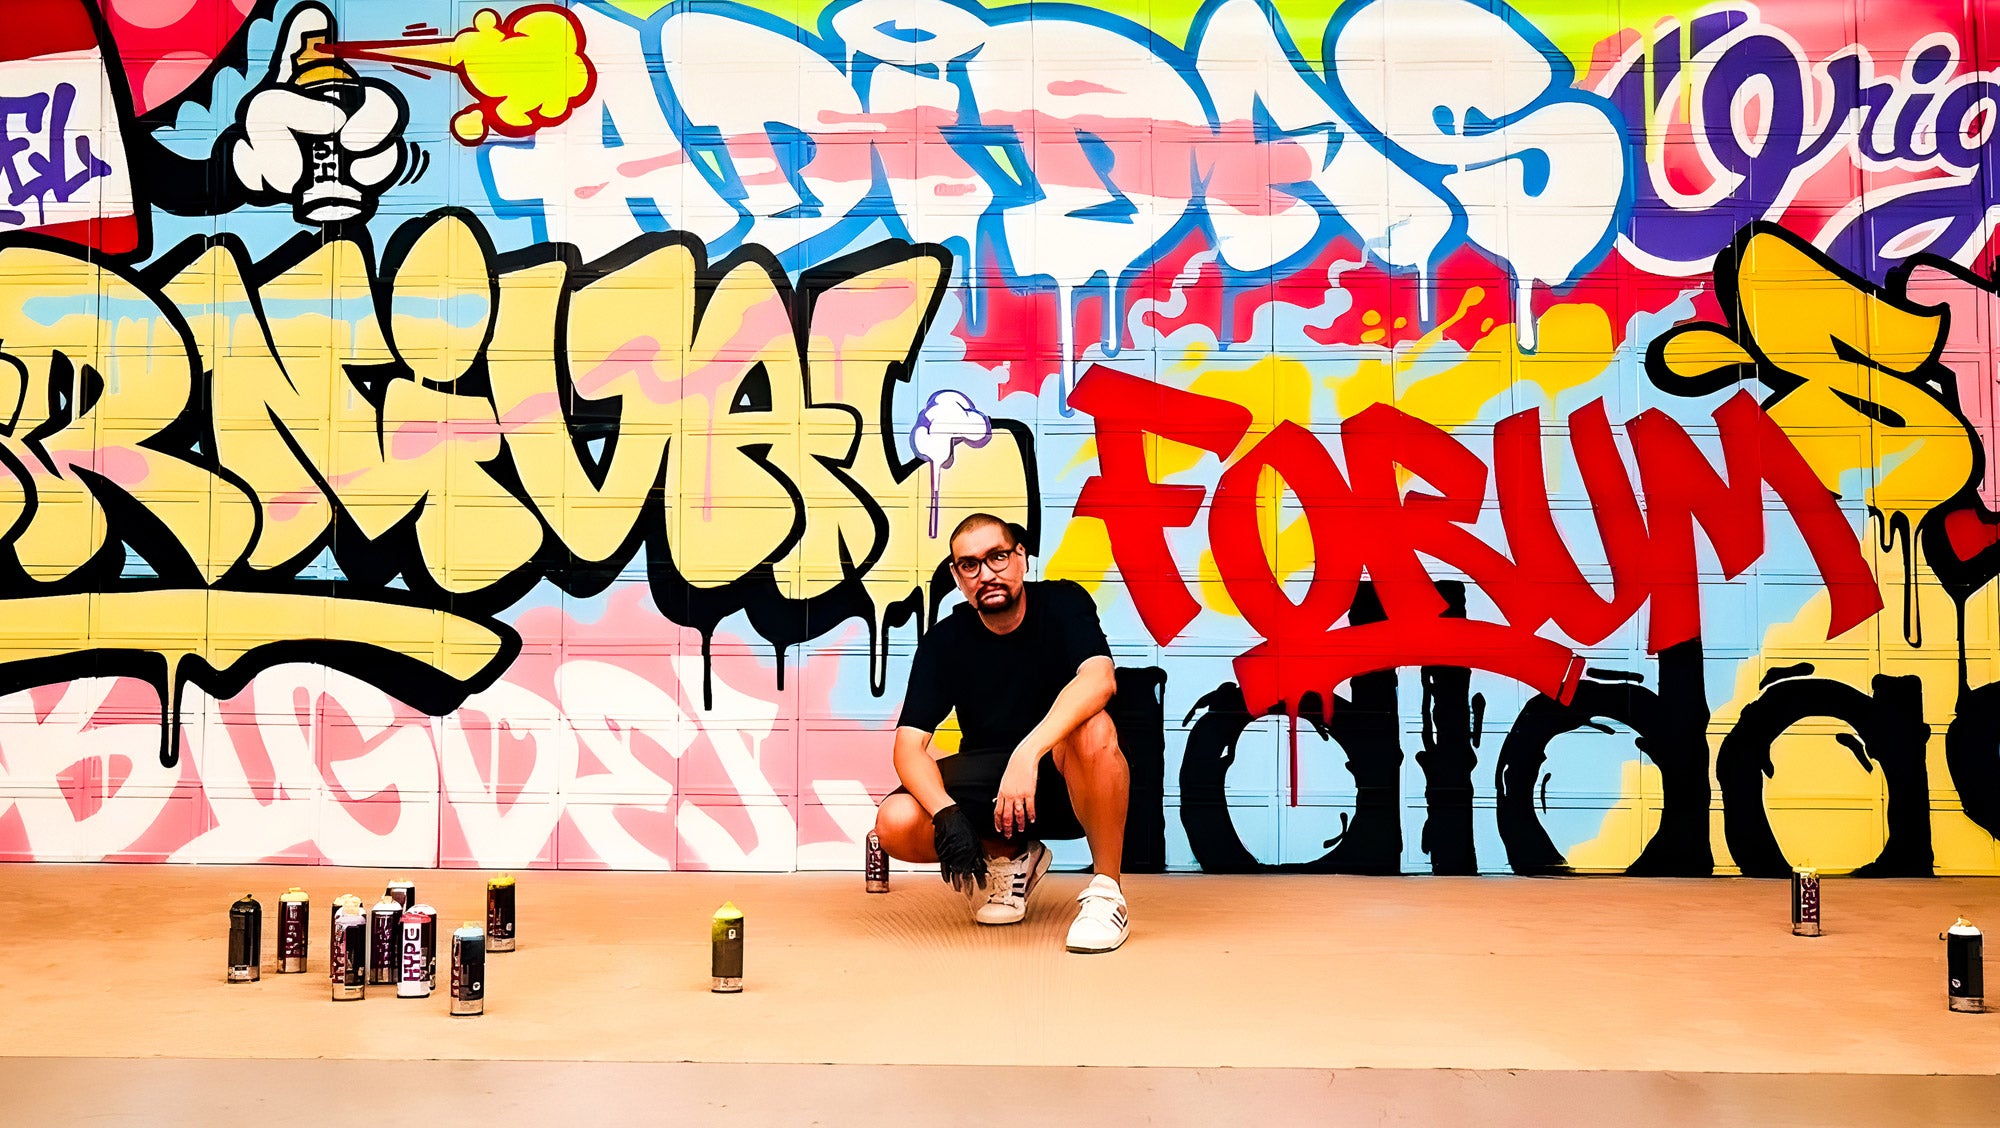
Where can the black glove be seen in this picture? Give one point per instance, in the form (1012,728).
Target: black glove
(961,859)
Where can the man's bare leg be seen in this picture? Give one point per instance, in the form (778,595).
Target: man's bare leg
(905,829)
(1100,787)
(906,832)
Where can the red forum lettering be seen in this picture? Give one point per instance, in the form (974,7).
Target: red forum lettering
(1370,523)
(1137,511)
(1682,489)
(1364,521)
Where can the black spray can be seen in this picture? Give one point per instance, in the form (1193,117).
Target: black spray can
(345,903)
(403,893)
(294,915)
(384,922)
(876,866)
(468,971)
(500,914)
(347,963)
(412,962)
(246,940)
(1805,901)
(1965,967)
(726,943)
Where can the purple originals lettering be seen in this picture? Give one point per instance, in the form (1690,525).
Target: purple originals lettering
(1926,117)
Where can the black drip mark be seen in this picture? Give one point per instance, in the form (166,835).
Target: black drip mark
(1896,528)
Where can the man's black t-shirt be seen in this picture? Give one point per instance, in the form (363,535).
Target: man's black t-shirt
(1002,684)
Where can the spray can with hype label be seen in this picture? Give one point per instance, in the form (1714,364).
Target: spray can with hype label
(1805,901)
(1965,967)
(347,961)
(726,949)
(876,865)
(246,940)
(500,914)
(294,916)
(468,971)
(413,971)
(384,921)
(430,916)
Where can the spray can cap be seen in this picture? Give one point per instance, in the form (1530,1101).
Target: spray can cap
(1963,927)
(313,63)
(294,894)
(729,911)
(501,882)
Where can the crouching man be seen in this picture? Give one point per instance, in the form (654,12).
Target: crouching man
(1028,670)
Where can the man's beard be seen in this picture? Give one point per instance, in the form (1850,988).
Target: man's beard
(984,608)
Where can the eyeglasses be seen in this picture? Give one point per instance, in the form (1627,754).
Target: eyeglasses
(968,566)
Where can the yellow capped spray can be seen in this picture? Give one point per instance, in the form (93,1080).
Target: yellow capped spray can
(726,944)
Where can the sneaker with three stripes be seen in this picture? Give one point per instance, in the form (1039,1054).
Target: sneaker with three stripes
(1008,883)
(1101,925)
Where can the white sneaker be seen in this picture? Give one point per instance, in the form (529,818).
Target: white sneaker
(1101,924)
(1008,883)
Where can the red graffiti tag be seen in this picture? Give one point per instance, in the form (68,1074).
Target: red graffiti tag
(1362,520)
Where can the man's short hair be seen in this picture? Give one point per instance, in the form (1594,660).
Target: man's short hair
(1015,533)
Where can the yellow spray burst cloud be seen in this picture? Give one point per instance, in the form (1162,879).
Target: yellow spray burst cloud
(523,72)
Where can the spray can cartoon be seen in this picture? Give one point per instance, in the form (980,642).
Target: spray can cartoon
(327,194)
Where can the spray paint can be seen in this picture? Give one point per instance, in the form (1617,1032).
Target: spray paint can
(876,868)
(294,914)
(402,892)
(726,943)
(326,193)
(346,902)
(384,921)
(430,916)
(246,940)
(468,971)
(347,961)
(500,914)
(1805,901)
(1965,967)
(413,962)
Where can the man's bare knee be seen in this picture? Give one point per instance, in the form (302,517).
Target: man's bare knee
(904,828)
(1094,742)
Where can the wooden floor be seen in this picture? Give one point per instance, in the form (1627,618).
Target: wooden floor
(1653,980)
(198,1093)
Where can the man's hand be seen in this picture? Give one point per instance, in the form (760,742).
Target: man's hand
(360,119)
(1015,807)
(961,859)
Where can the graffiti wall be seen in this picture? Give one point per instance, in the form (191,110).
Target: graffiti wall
(1537,439)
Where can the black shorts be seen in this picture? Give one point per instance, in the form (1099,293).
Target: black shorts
(973,782)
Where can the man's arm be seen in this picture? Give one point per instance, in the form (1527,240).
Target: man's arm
(1095,683)
(918,769)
